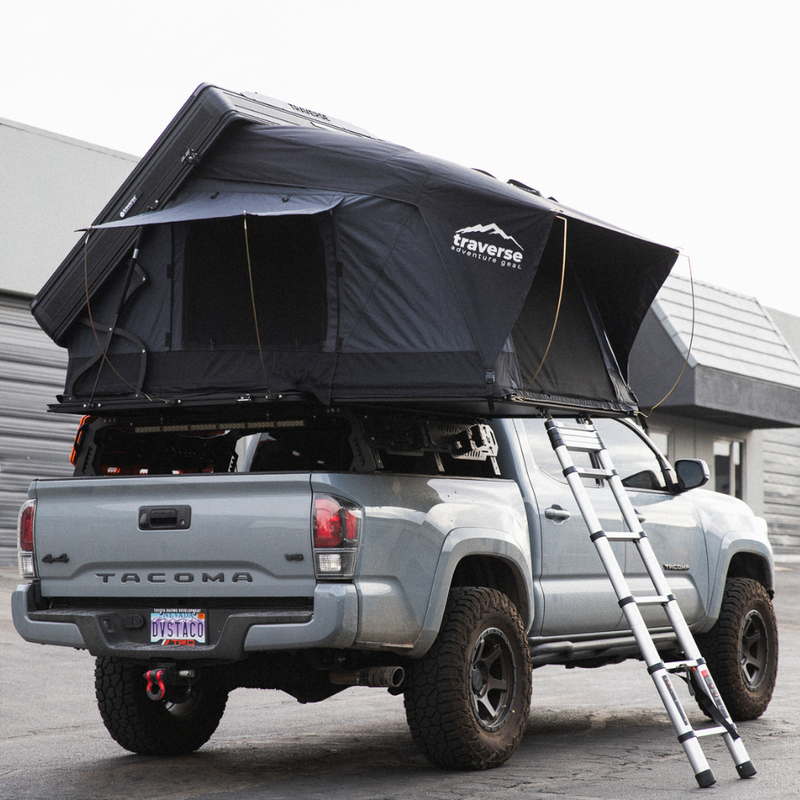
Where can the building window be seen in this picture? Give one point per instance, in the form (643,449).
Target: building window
(728,473)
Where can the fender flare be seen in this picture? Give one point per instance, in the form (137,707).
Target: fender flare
(463,542)
(734,544)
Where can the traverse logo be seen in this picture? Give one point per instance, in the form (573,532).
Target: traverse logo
(489,243)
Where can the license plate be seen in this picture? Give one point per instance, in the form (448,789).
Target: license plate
(183,627)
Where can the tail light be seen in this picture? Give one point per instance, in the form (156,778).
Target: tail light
(25,525)
(336,531)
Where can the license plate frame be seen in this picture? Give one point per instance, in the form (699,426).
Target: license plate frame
(178,627)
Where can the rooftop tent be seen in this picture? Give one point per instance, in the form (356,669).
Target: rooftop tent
(299,260)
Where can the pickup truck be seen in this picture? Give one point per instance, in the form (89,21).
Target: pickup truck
(319,548)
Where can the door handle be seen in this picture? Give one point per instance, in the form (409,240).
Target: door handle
(557,514)
(165,518)
(641,517)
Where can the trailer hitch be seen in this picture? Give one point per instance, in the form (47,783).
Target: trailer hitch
(163,676)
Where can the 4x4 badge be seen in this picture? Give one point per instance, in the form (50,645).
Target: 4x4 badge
(51,559)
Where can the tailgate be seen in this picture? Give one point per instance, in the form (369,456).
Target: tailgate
(215,535)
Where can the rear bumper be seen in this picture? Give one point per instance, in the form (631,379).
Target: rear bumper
(110,631)
(39,630)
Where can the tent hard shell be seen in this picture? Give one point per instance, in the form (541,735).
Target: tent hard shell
(304,259)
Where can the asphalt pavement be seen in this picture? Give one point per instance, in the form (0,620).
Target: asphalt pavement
(593,734)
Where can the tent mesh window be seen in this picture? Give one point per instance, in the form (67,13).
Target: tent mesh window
(287,260)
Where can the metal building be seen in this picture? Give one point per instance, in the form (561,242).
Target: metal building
(782,464)
(51,186)
(737,405)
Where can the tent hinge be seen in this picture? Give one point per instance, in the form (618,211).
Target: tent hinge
(190,156)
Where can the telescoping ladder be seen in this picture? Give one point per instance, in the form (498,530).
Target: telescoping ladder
(582,437)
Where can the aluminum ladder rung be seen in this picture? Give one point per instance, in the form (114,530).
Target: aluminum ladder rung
(674,666)
(586,439)
(717,730)
(582,441)
(623,536)
(590,472)
(655,600)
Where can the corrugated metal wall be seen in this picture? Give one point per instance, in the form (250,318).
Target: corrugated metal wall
(33,442)
(781,450)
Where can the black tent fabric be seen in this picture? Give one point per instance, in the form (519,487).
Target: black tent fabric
(296,260)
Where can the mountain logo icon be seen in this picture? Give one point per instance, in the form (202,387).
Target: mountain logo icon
(488,243)
(494,229)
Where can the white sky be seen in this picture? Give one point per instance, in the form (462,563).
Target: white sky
(678,120)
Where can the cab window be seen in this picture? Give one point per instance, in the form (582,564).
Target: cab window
(634,459)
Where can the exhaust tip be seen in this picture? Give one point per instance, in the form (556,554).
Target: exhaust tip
(383,677)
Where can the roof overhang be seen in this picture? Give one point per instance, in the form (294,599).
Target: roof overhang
(727,399)
(703,392)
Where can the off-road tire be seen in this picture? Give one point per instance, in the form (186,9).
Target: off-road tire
(154,727)
(742,649)
(468,699)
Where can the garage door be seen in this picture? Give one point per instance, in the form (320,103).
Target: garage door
(33,442)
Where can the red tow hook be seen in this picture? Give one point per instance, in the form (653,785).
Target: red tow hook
(155,684)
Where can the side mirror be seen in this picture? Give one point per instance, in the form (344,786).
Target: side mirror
(692,473)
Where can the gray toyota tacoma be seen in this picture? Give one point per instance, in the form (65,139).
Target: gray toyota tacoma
(316,369)
(442,558)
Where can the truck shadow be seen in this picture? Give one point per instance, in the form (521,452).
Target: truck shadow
(378,760)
